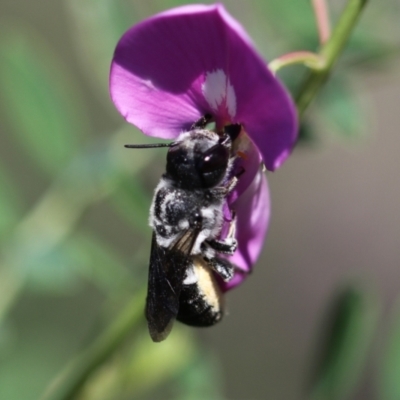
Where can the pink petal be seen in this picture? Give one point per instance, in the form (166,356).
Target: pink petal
(253,212)
(172,68)
(250,165)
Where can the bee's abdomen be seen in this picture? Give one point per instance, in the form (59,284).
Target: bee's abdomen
(201,302)
(195,311)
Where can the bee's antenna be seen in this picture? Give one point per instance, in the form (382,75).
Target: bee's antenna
(148,146)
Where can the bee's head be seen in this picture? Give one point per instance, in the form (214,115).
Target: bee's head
(199,159)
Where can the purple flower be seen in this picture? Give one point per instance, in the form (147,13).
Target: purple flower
(177,66)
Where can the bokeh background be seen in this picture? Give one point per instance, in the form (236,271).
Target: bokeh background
(318,318)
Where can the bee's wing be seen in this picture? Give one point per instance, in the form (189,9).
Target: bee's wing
(166,275)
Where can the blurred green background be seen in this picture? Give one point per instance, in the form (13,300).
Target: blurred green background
(319,316)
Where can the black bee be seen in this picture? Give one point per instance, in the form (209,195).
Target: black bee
(186,216)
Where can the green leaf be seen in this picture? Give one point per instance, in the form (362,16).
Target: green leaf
(293,77)
(293,20)
(47,331)
(52,271)
(43,104)
(340,108)
(201,379)
(307,135)
(346,343)
(10,207)
(98,25)
(379,27)
(150,365)
(99,263)
(36,245)
(81,256)
(389,377)
(378,56)
(132,202)
(142,367)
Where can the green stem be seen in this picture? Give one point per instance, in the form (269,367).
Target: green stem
(69,382)
(330,52)
(309,59)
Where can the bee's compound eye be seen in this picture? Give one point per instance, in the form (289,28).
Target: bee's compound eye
(214,159)
(212,164)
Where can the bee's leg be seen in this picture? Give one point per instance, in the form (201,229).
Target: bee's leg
(202,122)
(231,184)
(220,192)
(229,244)
(222,267)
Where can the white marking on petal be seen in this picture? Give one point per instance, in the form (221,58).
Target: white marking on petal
(230,99)
(214,88)
(217,89)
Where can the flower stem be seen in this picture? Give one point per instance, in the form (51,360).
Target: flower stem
(330,52)
(322,19)
(70,381)
(309,59)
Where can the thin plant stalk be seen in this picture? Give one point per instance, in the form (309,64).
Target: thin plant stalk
(70,381)
(322,19)
(330,52)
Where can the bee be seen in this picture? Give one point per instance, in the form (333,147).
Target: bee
(186,216)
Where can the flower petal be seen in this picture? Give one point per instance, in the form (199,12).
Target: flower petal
(250,165)
(252,212)
(172,68)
